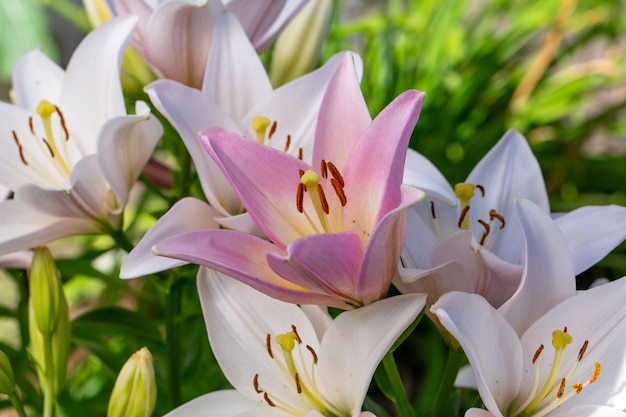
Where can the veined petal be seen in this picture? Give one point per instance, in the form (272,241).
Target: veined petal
(190,111)
(238,321)
(266,180)
(345,371)
(22,228)
(178,38)
(421,173)
(226,403)
(296,117)
(186,215)
(587,411)
(214,249)
(492,348)
(36,77)
(597,315)
(508,171)
(92,93)
(234,66)
(343,100)
(257,18)
(377,164)
(383,249)
(548,276)
(327,263)
(592,232)
(478,412)
(124,147)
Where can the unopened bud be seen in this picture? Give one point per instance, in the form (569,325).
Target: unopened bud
(134,393)
(7,381)
(298,48)
(45,290)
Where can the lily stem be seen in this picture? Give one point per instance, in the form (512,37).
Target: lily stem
(17,405)
(48,372)
(122,240)
(173,341)
(401,402)
(453,363)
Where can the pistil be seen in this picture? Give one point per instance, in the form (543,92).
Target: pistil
(260,125)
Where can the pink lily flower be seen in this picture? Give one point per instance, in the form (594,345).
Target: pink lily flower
(175,36)
(337,225)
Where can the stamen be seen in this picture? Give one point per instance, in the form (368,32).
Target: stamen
(298,387)
(462,219)
(310,180)
(260,125)
(45,109)
(300,197)
(537,353)
(323,200)
(561,390)
(255,382)
(267,400)
(339,191)
(295,331)
(287,143)
(578,387)
(301,172)
(495,215)
(323,169)
(49,147)
(272,129)
(268,345)
(299,151)
(481,189)
(63,126)
(310,349)
(30,125)
(596,372)
(485,233)
(336,174)
(20,148)
(582,351)
(432,210)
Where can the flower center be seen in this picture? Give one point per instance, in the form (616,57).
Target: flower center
(301,379)
(265,129)
(554,391)
(328,211)
(52,148)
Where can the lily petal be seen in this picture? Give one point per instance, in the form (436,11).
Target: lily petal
(258,17)
(493,348)
(548,275)
(421,173)
(186,215)
(92,92)
(226,403)
(592,232)
(36,77)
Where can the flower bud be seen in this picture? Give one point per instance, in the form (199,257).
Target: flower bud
(298,48)
(7,381)
(134,393)
(45,290)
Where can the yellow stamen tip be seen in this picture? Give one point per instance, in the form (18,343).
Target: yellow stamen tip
(560,339)
(46,109)
(310,179)
(464,191)
(287,341)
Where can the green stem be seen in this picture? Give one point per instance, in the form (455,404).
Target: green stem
(453,363)
(185,174)
(173,342)
(46,384)
(122,240)
(17,405)
(401,402)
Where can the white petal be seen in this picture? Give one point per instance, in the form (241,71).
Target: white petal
(186,215)
(592,232)
(477,412)
(227,403)
(356,342)
(91,92)
(490,344)
(125,144)
(19,260)
(36,77)
(421,173)
(319,317)
(548,276)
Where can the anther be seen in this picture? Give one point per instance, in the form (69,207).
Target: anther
(63,126)
(300,197)
(596,372)
(310,349)
(339,191)
(287,143)
(293,329)
(297,379)
(578,387)
(495,215)
(432,210)
(255,382)
(49,147)
(268,345)
(260,125)
(537,353)
(485,233)
(481,189)
(462,216)
(336,174)
(267,400)
(299,151)
(301,172)
(561,390)
(272,129)
(582,351)
(30,125)
(20,148)
(323,169)
(323,200)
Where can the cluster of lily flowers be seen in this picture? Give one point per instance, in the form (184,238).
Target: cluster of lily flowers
(311,203)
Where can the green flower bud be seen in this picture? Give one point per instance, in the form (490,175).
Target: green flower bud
(298,48)
(7,381)
(45,290)
(134,393)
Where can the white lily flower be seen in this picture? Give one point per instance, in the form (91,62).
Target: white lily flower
(71,152)
(236,95)
(282,363)
(569,362)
